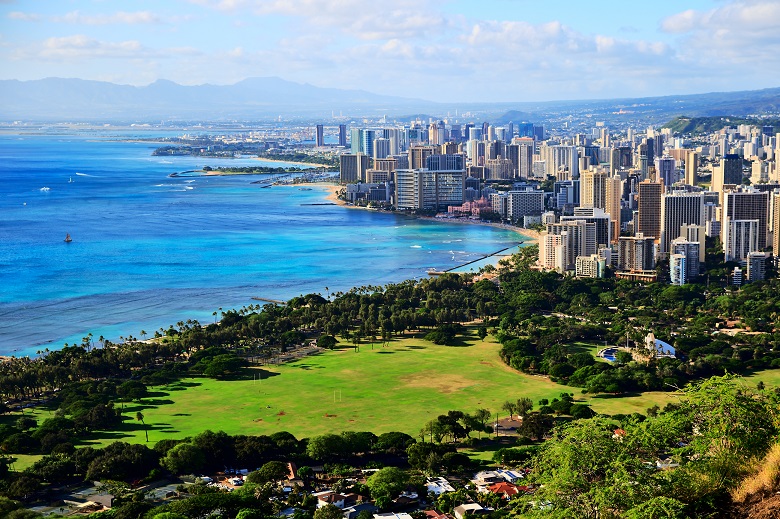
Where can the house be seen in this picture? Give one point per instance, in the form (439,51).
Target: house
(402,515)
(329,497)
(352,512)
(484,479)
(438,486)
(504,489)
(512,476)
(467,508)
(433,514)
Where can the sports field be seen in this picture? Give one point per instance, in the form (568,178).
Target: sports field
(396,388)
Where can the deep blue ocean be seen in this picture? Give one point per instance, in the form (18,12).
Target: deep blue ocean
(149,250)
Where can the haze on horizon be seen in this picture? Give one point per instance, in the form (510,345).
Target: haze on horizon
(440,50)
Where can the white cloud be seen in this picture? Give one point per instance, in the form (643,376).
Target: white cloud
(80,47)
(26,17)
(120,17)
(737,35)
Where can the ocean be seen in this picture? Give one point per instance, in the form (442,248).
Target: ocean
(149,251)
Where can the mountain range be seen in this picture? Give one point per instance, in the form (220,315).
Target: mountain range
(78,99)
(262,98)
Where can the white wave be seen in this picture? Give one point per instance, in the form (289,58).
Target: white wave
(85,175)
(188,188)
(45,189)
(417,246)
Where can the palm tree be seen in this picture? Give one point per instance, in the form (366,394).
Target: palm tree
(139,416)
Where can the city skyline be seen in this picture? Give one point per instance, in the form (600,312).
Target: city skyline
(501,50)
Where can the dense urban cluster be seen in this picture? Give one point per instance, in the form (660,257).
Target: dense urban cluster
(628,201)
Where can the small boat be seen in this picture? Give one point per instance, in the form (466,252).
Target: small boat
(45,189)
(68,239)
(70,181)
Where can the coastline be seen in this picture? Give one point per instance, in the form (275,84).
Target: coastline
(277,161)
(529,235)
(332,196)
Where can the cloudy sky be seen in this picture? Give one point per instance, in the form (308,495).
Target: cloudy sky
(448,50)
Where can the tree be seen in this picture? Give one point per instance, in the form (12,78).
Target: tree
(26,422)
(524,405)
(325,447)
(327,341)
(184,458)
(270,472)
(329,511)
(509,407)
(482,332)
(140,418)
(535,425)
(387,482)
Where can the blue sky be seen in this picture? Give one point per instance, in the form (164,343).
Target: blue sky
(447,50)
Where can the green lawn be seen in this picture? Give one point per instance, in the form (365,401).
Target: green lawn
(399,387)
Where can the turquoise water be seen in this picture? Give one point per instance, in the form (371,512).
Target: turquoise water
(149,250)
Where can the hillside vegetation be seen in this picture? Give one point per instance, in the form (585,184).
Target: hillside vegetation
(701,125)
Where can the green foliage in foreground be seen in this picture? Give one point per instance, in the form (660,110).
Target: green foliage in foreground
(708,439)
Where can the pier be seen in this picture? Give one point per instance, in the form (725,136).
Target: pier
(440,272)
(274,301)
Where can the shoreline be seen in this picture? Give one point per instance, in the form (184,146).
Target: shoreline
(279,161)
(332,196)
(530,236)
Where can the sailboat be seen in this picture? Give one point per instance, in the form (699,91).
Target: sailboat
(68,239)
(70,181)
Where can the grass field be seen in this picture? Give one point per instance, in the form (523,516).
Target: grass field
(397,388)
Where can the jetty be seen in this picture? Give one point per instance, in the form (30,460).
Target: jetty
(266,300)
(497,253)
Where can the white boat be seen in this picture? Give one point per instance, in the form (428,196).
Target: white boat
(45,189)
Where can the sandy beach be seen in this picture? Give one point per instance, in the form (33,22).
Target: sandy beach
(332,196)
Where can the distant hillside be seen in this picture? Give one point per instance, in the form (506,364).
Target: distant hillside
(698,125)
(54,99)
(514,116)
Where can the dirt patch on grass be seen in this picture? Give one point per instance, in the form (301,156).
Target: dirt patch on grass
(436,381)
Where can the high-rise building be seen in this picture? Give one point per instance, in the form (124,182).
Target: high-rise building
(756,266)
(748,204)
(696,234)
(649,221)
(593,188)
(454,162)
(343,135)
(677,209)
(776,223)
(592,266)
(353,168)
(381,148)
(728,171)
(690,250)
(498,169)
(614,188)
(691,168)
(578,238)
(524,203)
(666,170)
(740,238)
(598,218)
(636,253)
(562,162)
(418,156)
(678,269)
(319,137)
(425,189)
